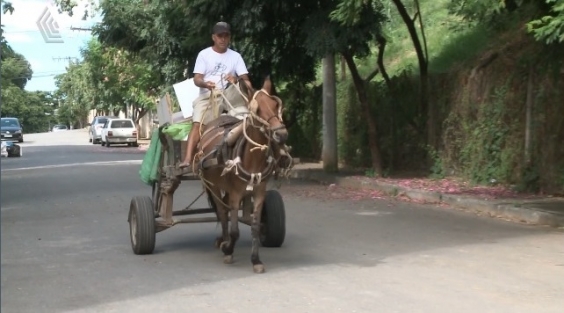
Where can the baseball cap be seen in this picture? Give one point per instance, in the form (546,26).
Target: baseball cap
(221,27)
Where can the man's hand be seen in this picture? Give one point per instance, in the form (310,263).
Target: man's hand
(199,81)
(209,85)
(230,78)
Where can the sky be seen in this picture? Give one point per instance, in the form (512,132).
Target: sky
(24,36)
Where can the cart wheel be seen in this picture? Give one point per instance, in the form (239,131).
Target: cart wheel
(273,219)
(142,225)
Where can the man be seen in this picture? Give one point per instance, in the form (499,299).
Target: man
(215,67)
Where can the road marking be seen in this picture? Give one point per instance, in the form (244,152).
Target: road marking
(73,164)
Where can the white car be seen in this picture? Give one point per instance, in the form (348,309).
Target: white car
(119,131)
(58,128)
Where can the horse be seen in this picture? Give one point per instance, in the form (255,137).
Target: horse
(238,157)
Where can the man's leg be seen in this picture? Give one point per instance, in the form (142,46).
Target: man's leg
(201,110)
(193,139)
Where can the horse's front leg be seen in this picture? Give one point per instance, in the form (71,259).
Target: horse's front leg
(258,197)
(234,203)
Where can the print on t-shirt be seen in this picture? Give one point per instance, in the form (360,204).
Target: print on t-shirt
(218,69)
(214,66)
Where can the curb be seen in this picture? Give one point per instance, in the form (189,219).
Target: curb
(493,208)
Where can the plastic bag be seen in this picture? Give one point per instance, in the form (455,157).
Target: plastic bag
(178,131)
(150,164)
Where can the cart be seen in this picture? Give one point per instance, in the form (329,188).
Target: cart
(149,215)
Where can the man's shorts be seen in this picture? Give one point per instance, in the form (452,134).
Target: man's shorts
(204,112)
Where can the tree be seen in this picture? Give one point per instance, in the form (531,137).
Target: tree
(109,80)
(550,28)
(354,25)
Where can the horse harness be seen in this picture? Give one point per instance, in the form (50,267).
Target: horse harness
(227,153)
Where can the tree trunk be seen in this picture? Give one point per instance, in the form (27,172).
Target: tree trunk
(381,48)
(365,106)
(343,68)
(528,117)
(329,150)
(138,114)
(423,66)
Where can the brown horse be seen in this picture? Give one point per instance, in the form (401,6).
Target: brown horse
(244,168)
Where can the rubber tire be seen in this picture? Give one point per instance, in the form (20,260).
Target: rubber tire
(273,220)
(142,218)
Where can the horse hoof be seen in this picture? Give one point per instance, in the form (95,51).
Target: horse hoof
(218,242)
(258,268)
(228,259)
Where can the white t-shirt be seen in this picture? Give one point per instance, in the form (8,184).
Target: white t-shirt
(213,64)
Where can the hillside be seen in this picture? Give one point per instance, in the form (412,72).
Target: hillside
(498,99)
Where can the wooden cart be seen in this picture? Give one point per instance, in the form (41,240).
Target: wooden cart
(150,215)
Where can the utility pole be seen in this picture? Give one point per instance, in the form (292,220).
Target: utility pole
(329,150)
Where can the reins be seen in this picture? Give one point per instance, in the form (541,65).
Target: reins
(248,120)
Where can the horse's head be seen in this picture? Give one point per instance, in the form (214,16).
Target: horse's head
(269,109)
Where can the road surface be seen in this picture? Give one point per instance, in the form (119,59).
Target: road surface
(65,248)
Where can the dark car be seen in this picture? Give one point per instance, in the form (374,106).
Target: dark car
(11,129)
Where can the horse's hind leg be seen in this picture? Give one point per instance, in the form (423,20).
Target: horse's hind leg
(222,215)
(258,199)
(228,249)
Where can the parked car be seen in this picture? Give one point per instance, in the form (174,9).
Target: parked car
(96,128)
(119,131)
(60,127)
(11,129)
(10,149)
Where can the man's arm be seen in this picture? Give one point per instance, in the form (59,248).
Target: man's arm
(241,72)
(199,80)
(199,70)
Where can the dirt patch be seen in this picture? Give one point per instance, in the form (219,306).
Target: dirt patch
(456,186)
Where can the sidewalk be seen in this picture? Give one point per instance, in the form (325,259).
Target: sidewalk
(490,201)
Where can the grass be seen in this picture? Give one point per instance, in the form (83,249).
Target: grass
(448,42)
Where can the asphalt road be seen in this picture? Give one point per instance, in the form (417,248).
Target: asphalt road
(65,248)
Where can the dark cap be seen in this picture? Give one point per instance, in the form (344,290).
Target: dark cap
(221,27)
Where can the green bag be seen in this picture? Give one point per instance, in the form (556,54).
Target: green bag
(178,131)
(150,165)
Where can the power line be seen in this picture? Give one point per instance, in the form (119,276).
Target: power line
(66,59)
(81,29)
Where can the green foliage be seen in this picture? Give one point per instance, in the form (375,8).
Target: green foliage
(351,128)
(108,79)
(484,10)
(437,169)
(486,155)
(550,28)
(460,46)
(302,116)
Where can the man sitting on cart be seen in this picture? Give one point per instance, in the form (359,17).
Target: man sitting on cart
(215,67)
